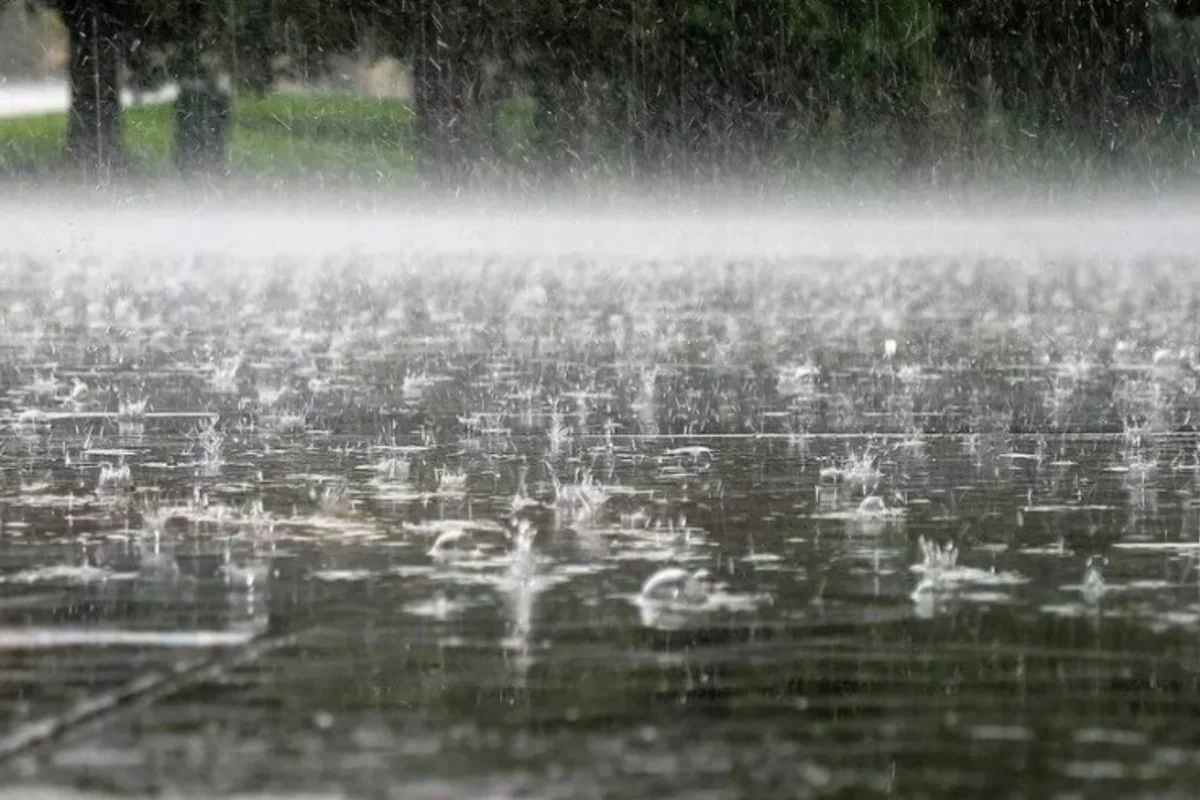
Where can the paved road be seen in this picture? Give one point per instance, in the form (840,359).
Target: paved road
(26,98)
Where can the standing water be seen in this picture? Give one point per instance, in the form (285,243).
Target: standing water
(470,504)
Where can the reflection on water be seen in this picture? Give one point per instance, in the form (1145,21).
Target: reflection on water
(534,526)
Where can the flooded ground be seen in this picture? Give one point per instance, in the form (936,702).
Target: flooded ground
(481,507)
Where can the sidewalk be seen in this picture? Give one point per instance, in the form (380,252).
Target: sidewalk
(28,98)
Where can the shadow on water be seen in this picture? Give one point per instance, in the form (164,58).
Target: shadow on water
(416,521)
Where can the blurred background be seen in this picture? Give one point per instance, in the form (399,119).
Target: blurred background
(919,91)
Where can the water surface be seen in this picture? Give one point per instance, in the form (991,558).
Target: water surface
(365,505)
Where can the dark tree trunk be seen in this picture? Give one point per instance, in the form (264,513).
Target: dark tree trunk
(93,71)
(553,139)
(446,80)
(255,73)
(202,119)
(439,112)
(202,110)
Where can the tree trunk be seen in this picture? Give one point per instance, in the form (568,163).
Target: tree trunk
(202,119)
(202,110)
(255,72)
(435,94)
(93,70)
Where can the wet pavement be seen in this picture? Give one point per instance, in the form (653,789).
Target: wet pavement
(470,517)
(28,98)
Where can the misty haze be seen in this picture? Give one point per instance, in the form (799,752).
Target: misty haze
(631,399)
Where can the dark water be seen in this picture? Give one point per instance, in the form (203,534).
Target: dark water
(388,516)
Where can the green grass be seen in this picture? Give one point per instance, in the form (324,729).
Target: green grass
(321,137)
(302,140)
(30,142)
